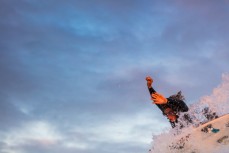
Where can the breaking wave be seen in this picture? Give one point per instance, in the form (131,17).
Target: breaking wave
(217,102)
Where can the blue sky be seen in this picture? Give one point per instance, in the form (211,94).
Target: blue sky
(73,72)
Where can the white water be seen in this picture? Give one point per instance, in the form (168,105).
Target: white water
(218,102)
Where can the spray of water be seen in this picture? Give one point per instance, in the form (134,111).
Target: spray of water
(217,102)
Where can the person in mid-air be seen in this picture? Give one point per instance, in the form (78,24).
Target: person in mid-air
(170,107)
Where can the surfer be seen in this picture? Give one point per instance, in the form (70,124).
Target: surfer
(170,107)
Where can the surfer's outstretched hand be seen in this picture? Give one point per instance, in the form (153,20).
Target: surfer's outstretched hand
(149,81)
(159,99)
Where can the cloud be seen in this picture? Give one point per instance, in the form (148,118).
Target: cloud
(83,64)
(45,136)
(10,116)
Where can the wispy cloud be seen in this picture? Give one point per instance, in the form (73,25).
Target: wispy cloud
(75,70)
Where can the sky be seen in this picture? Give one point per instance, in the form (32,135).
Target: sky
(73,72)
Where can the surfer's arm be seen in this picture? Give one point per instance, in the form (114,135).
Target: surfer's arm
(149,85)
(151,90)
